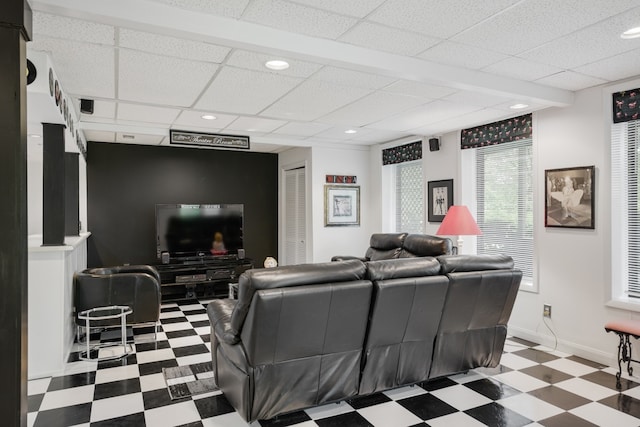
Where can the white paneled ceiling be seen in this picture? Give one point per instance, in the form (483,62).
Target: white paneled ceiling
(385,68)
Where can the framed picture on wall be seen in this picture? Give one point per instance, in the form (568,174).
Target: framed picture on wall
(439,199)
(570,197)
(341,205)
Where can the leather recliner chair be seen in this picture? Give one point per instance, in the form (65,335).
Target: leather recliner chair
(136,286)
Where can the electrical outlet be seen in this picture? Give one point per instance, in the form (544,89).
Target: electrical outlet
(546,311)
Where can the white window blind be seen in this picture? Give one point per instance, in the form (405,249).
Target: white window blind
(504,177)
(625,168)
(409,197)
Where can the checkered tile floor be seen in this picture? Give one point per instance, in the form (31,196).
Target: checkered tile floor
(532,386)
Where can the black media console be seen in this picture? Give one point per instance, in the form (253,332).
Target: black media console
(200,277)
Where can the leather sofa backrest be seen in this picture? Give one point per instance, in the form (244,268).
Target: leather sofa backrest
(289,276)
(385,246)
(461,263)
(421,245)
(407,305)
(402,268)
(473,327)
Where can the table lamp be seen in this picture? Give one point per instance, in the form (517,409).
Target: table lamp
(458,222)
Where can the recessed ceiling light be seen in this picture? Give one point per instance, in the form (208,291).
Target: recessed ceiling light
(277,64)
(632,33)
(350,131)
(518,106)
(34,135)
(251,130)
(208,116)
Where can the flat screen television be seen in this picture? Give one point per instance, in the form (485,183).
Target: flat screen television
(199,230)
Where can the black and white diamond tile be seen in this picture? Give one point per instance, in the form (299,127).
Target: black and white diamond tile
(533,386)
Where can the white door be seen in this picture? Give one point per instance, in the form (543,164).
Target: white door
(295,217)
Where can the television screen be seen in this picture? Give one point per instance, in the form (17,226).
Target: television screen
(199,230)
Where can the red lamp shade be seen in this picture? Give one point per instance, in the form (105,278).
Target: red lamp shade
(458,222)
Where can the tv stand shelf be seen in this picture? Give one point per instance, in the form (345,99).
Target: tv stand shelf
(200,277)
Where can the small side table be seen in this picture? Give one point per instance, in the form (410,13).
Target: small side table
(106,313)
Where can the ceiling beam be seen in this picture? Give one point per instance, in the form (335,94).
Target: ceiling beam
(159,18)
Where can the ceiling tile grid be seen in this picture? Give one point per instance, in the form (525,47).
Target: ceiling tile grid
(172,46)
(393,40)
(296,18)
(357,8)
(461,55)
(236,90)
(521,69)
(161,80)
(226,8)
(342,76)
(84,69)
(574,81)
(302,129)
(146,113)
(45,24)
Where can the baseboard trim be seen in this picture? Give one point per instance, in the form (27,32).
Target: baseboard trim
(606,358)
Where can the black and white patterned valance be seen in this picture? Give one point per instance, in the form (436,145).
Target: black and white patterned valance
(626,106)
(509,130)
(402,153)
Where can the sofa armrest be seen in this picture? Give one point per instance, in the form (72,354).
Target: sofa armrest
(219,312)
(348,257)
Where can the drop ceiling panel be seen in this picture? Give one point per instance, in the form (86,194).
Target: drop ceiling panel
(393,40)
(357,8)
(297,18)
(475,118)
(255,61)
(145,113)
(591,44)
(431,113)
(83,68)
(574,81)
(372,108)
(531,23)
(171,46)
(255,124)
(435,17)
(422,90)
(476,99)
(338,133)
(138,138)
(45,24)
(235,90)
(342,76)
(461,55)
(314,99)
(155,79)
(377,136)
(301,129)
(99,136)
(521,69)
(227,8)
(615,68)
(190,119)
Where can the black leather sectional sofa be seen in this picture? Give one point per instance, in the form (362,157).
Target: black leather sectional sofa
(305,335)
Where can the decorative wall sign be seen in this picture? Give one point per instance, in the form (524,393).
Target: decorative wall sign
(341,205)
(182,137)
(570,197)
(341,179)
(439,199)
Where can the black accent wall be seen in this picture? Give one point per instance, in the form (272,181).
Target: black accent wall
(125,182)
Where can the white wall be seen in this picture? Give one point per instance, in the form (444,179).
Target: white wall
(330,241)
(573,265)
(439,165)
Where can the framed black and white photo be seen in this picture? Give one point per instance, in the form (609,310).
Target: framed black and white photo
(341,205)
(570,197)
(439,199)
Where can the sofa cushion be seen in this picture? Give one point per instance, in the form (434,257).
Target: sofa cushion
(401,268)
(460,263)
(386,241)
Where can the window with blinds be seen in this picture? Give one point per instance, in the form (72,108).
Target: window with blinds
(409,197)
(625,195)
(504,177)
